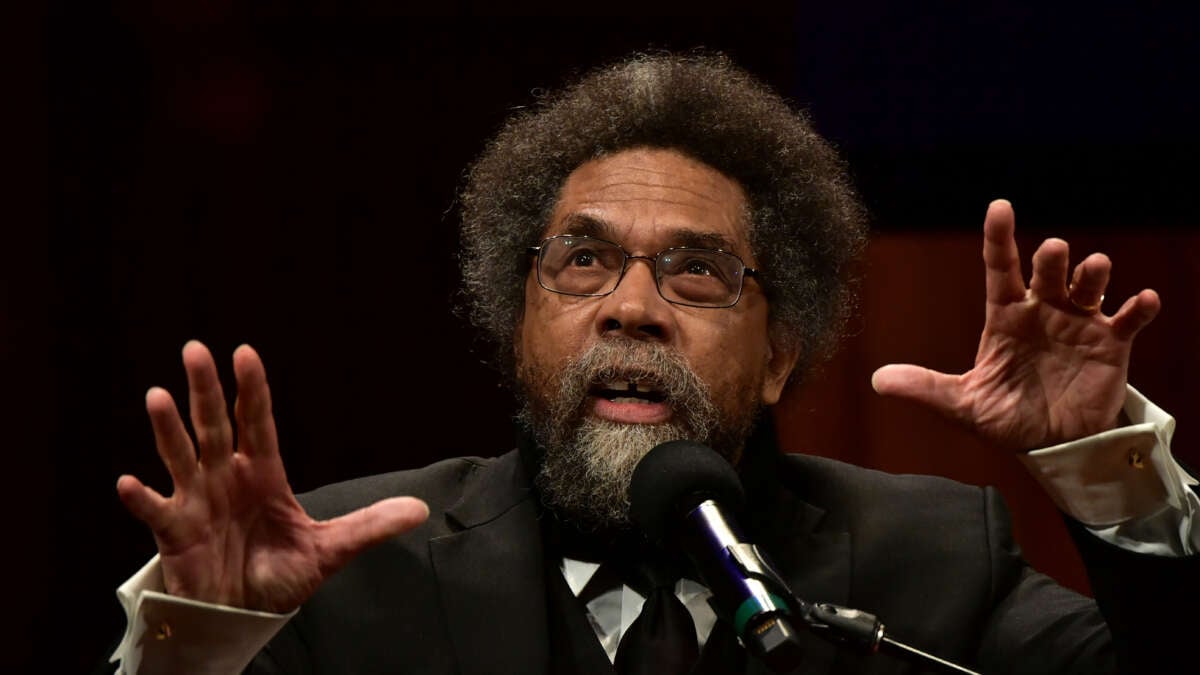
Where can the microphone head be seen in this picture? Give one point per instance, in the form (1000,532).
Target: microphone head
(673,478)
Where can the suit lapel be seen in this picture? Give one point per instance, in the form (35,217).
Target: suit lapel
(813,556)
(817,570)
(492,579)
(491,575)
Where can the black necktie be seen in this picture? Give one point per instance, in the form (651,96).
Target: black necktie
(662,640)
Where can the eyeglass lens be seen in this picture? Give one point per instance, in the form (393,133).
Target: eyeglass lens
(585,266)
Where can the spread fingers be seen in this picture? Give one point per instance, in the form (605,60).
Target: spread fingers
(170,436)
(214,434)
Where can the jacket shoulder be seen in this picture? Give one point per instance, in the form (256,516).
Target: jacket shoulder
(900,509)
(440,484)
(824,477)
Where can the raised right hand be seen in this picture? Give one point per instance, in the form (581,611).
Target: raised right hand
(232,532)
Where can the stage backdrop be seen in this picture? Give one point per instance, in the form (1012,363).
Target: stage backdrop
(285,175)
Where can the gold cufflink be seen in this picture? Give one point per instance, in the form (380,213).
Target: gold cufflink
(1135,459)
(164,631)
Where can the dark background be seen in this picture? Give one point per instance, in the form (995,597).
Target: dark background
(286,176)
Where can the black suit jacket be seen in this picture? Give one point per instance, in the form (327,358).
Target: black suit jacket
(934,559)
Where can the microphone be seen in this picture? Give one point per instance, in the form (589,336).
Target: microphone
(684,494)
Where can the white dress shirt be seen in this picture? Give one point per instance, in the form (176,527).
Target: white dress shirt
(614,610)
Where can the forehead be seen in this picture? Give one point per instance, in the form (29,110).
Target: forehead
(648,198)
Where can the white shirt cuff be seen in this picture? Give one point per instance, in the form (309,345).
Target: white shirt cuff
(168,634)
(1124,484)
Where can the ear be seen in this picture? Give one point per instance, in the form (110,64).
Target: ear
(781,359)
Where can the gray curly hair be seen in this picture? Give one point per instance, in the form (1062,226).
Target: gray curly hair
(806,222)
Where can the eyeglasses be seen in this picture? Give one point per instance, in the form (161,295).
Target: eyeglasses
(694,277)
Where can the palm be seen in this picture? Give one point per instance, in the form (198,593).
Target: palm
(1046,371)
(235,519)
(232,532)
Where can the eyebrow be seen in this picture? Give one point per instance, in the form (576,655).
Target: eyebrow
(586,225)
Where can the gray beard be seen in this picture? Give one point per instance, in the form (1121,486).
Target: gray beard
(588,463)
(587,481)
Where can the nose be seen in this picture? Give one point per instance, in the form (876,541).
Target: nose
(635,309)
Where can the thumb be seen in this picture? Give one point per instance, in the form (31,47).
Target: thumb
(930,388)
(344,537)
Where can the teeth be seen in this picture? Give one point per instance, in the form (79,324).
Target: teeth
(624,385)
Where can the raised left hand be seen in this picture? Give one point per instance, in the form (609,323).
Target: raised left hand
(232,532)
(1051,367)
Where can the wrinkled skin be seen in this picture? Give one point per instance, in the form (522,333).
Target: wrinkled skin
(648,200)
(1049,368)
(232,532)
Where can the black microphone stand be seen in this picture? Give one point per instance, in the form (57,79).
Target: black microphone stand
(866,633)
(776,643)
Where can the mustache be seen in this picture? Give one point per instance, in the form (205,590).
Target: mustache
(623,359)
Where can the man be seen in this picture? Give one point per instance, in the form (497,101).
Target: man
(658,252)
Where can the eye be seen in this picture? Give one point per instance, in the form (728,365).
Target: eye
(698,266)
(583,259)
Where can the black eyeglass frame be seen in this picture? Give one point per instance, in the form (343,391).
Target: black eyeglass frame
(653,260)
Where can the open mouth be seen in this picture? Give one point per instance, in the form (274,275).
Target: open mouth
(633,391)
(630,399)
